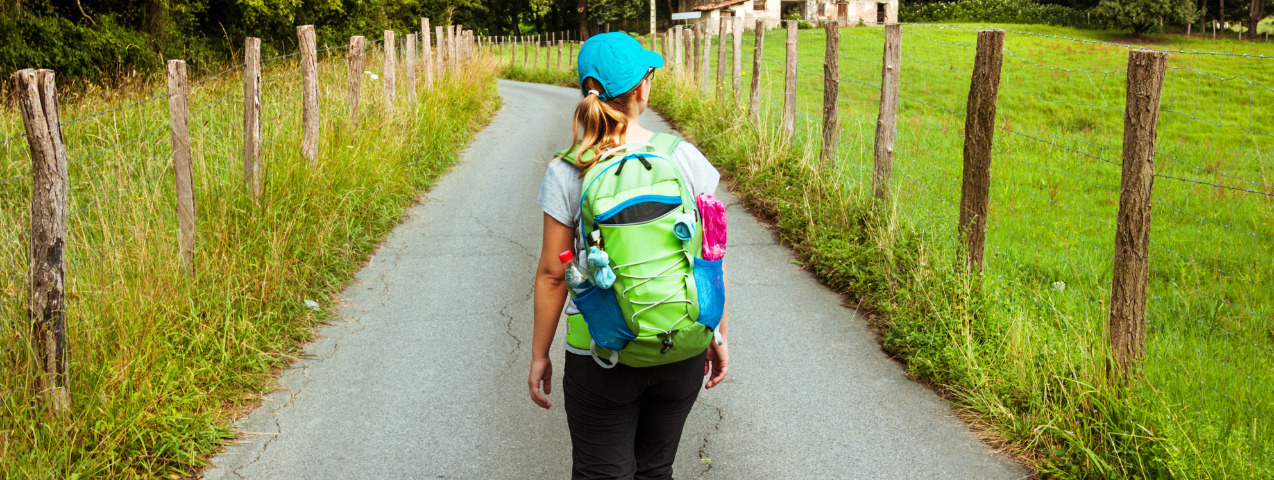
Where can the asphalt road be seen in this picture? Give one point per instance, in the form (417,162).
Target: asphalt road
(424,374)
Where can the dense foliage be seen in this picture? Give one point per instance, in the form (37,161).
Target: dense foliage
(112,38)
(993,11)
(1142,15)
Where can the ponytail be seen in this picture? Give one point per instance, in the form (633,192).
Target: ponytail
(600,125)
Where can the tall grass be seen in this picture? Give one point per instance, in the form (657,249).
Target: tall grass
(159,363)
(1024,350)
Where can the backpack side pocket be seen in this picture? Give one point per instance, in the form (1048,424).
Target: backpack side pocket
(710,283)
(605,320)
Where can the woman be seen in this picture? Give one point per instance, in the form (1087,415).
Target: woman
(625,421)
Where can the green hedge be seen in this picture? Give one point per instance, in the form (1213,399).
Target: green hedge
(992,11)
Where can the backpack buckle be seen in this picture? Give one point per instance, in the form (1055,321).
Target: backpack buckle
(667,341)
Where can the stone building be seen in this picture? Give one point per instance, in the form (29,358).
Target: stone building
(868,12)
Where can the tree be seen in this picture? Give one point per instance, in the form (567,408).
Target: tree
(1254,16)
(1142,15)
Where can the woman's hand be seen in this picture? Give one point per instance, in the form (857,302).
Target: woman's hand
(541,372)
(717,363)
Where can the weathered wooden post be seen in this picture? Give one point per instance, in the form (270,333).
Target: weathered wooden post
(688,64)
(37,99)
(754,96)
(454,45)
(1132,232)
(663,48)
(309,92)
(548,54)
(979,133)
(722,26)
(705,63)
(559,54)
(526,52)
(831,93)
(411,69)
(737,70)
(426,53)
(388,76)
(440,61)
(788,123)
(357,50)
(252,116)
(178,115)
(890,74)
(675,48)
(570,55)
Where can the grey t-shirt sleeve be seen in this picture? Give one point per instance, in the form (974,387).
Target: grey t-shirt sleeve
(559,193)
(700,174)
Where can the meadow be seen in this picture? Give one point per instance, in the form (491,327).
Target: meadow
(1022,351)
(159,362)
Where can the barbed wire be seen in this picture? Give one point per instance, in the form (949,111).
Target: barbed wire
(1084,40)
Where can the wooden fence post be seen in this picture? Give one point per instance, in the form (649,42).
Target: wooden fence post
(754,96)
(722,26)
(737,70)
(831,93)
(309,89)
(252,115)
(570,55)
(979,133)
(357,46)
(788,124)
(886,123)
(559,54)
(37,99)
(663,47)
(388,75)
(1132,233)
(687,54)
(675,48)
(411,69)
(453,47)
(426,53)
(178,115)
(705,63)
(526,52)
(548,54)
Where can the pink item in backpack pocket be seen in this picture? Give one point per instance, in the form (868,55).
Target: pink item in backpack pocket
(714,230)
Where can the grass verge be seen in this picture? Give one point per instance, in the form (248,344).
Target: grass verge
(159,362)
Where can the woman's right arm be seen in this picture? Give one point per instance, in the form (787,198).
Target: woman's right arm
(550,296)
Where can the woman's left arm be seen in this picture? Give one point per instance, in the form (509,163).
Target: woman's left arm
(719,355)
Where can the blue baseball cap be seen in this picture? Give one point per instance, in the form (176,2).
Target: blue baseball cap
(617,61)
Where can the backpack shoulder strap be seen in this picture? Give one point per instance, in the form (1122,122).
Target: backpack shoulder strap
(665,143)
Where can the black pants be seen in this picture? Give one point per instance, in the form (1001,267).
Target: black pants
(626,422)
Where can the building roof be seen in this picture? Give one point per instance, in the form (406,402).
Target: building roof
(714,6)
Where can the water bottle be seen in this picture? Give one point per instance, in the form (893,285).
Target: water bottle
(575,278)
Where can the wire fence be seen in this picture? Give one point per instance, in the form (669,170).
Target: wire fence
(120,164)
(1055,193)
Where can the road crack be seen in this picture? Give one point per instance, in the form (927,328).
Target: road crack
(717,416)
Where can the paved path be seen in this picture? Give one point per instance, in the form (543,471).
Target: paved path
(424,376)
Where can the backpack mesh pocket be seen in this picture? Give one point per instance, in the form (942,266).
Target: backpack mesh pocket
(710,283)
(605,320)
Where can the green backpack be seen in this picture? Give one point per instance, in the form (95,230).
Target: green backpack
(666,299)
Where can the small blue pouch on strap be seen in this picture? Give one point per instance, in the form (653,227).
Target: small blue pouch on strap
(605,320)
(710,284)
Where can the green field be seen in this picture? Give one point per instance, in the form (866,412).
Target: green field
(1027,354)
(159,363)
(1038,332)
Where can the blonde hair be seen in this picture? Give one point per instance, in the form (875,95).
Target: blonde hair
(604,123)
